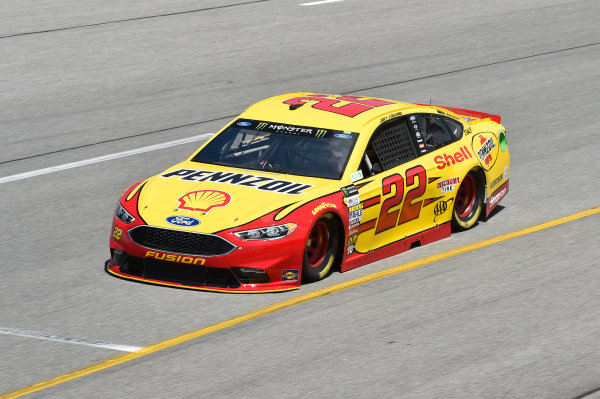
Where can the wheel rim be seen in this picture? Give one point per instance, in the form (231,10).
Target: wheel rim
(465,198)
(316,245)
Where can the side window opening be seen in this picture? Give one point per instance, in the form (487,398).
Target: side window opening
(439,131)
(390,146)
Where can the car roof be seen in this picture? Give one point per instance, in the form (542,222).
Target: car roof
(320,110)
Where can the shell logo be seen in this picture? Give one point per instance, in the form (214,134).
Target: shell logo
(203,200)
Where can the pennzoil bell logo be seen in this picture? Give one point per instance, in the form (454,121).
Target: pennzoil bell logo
(203,200)
(486,147)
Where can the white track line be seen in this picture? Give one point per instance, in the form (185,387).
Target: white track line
(316,3)
(102,158)
(52,337)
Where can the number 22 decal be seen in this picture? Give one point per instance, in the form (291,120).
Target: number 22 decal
(355,105)
(410,210)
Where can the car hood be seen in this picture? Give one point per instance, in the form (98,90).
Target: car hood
(220,197)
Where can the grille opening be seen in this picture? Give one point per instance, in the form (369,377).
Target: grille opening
(192,275)
(180,242)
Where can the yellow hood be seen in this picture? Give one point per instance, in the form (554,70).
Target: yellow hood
(222,197)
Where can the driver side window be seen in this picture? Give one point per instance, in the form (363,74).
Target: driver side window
(438,131)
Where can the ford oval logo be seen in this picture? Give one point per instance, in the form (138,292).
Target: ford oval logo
(243,123)
(185,221)
(342,136)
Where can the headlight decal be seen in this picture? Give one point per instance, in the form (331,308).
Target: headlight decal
(122,214)
(267,233)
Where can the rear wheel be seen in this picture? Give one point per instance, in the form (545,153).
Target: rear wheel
(320,250)
(468,202)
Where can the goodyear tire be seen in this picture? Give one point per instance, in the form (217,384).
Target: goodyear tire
(468,202)
(320,250)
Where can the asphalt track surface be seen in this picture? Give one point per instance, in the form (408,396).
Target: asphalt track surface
(519,318)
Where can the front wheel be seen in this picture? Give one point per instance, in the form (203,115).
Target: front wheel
(468,202)
(320,250)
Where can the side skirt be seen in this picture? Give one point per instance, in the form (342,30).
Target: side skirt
(423,238)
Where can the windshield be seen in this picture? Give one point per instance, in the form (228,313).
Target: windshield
(282,148)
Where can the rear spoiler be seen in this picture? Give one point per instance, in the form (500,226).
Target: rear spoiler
(470,114)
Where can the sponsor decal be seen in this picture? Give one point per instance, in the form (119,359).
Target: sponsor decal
(351,248)
(261,125)
(356,211)
(440,208)
(468,131)
(353,231)
(186,221)
(351,194)
(356,176)
(497,196)
(352,240)
(290,274)
(506,173)
(446,160)
(190,260)
(203,200)
(323,205)
(485,146)
(244,124)
(484,152)
(117,233)
(496,181)
(448,184)
(240,179)
(342,136)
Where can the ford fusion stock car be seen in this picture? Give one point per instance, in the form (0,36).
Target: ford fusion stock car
(302,184)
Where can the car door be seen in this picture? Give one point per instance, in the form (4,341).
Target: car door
(400,194)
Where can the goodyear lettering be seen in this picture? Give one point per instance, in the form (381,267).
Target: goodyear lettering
(446,160)
(242,179)
(175,258)
(323,205)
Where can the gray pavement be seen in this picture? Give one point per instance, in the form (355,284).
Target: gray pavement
(518,319)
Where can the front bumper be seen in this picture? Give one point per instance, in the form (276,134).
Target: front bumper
(253,266)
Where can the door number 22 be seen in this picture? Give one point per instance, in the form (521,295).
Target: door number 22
(410,210)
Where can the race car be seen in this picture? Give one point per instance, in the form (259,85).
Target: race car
(303,184)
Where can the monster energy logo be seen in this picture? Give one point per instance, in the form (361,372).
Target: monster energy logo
(320,133)
(261,125)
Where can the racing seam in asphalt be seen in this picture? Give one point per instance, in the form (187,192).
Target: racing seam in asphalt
(132,19)
(115,361)
(345,92)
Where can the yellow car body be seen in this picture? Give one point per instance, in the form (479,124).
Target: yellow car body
(408,173)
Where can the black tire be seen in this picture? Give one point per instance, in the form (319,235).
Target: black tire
(321,249)
(468,202)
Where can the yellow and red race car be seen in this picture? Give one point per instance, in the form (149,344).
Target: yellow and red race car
(302,184)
